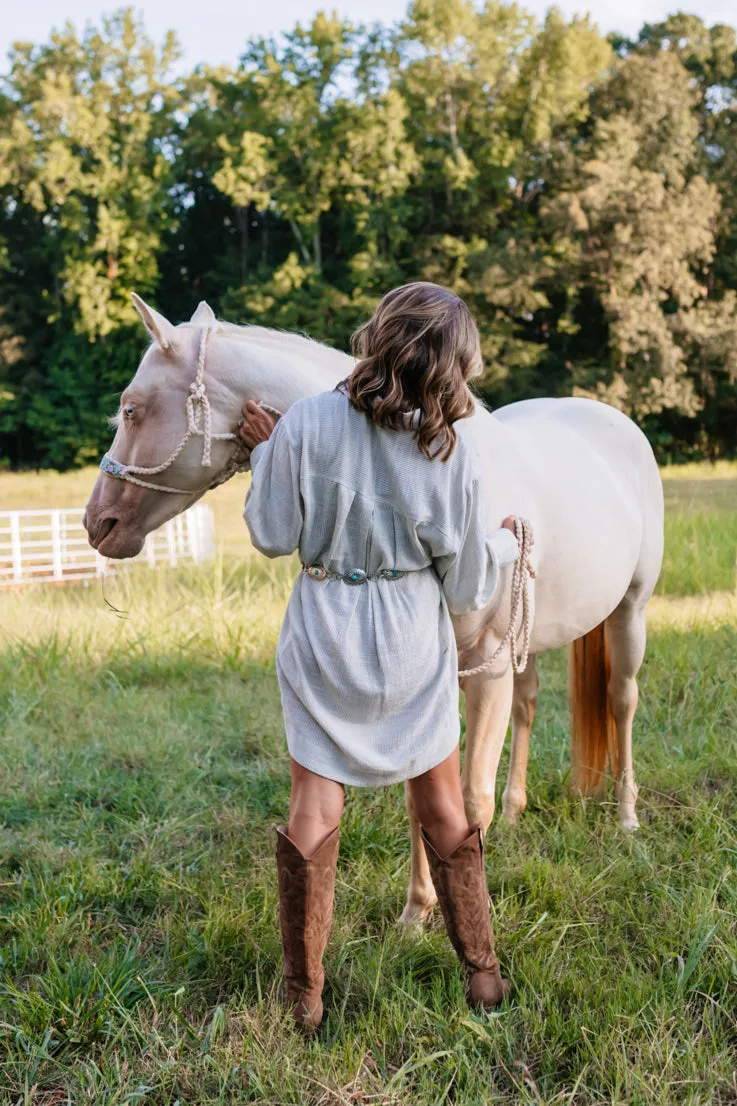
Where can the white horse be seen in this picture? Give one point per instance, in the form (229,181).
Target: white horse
(582,472)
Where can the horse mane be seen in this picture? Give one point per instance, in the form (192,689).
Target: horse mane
(263,335)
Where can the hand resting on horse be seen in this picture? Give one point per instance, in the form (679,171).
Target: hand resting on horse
(257,424)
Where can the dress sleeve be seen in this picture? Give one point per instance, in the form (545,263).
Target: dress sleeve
(470,571)
(274,508)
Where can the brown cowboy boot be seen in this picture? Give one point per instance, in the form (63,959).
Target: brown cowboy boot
(460,883)
(306,893)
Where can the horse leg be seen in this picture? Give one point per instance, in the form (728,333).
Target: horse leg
(488,707)
(626,634)
(524,703)
(421,895)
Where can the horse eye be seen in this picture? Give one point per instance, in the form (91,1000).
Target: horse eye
(129,410)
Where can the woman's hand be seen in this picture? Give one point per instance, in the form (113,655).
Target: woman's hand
(257,425)
(509,524)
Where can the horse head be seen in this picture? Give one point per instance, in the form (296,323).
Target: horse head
(176,433)
(176,427)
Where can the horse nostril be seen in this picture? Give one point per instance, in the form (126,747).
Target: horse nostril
(104,529)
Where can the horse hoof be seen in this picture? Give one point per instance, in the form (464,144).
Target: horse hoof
(514,803)
(416,914)
(629,822)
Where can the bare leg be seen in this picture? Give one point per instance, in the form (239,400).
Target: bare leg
(315,807)
(438,803)
(434,802)
(456,857)
(488,707)
(626,635)
(524,703)
(306,859)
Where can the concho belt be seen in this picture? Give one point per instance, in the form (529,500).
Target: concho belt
(354,576)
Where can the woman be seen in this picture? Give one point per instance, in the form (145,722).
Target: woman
(377,487)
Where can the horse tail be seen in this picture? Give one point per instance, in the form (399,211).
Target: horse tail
(593,733)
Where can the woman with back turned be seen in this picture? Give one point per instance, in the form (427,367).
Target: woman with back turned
(377,487)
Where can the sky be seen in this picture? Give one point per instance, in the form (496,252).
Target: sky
(214,31)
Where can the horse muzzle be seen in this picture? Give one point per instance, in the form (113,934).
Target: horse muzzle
(112,533)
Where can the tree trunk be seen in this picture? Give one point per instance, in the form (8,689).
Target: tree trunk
(300,241)
(243,214)
(453,132)
(317,249)
(264,239)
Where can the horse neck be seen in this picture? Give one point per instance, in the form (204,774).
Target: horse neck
(278,369)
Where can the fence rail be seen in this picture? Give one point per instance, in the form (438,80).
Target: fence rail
(47,545)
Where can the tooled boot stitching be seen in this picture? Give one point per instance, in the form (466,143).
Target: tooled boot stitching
(461,887)
(306,894)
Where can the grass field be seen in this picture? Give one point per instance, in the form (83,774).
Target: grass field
(143,763)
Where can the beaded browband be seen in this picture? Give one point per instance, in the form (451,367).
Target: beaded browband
(199,424)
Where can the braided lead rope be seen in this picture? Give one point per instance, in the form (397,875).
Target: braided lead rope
(199,424)
(521,575)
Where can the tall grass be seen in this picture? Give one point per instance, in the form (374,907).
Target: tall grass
(700,553)
(142,762)
(700,529)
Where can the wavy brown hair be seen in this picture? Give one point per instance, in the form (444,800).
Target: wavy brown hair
(417,352)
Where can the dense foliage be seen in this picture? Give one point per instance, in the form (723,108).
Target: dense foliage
(580,192)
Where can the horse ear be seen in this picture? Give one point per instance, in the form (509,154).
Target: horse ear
(204,315)
(160,329)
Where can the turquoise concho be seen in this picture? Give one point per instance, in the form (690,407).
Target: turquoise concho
(355,576)
(317,572)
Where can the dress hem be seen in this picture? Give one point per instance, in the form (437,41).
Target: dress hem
(380,779)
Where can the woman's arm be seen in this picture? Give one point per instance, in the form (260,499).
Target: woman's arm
(274,509)
(470,570)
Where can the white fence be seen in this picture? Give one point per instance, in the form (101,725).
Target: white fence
(51,545)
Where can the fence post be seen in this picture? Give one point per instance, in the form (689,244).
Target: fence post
(192,519)
(15,547)
(205,531)
(170,543)
(56,551)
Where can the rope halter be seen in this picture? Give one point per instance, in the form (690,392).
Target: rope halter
(199,425)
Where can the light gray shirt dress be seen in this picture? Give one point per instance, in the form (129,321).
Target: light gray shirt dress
(368,671)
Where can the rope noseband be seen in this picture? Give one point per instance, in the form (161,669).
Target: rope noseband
(521,576)
(199,425)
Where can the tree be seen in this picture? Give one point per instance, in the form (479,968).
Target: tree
(86,159)
(493,102)
(580,193)
(641,225)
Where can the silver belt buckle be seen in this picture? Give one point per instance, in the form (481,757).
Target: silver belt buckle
(354,577)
